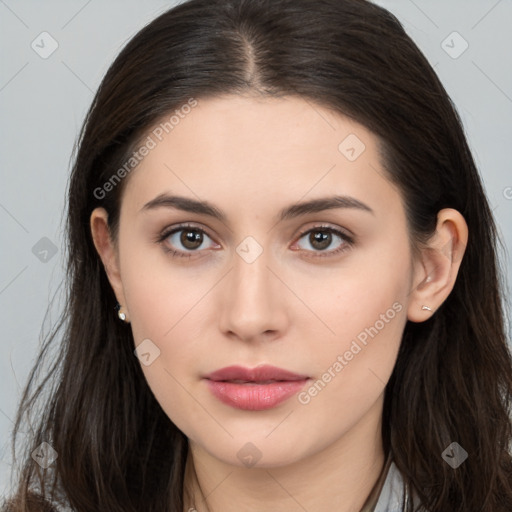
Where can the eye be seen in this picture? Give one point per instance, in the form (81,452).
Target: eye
(320,238)
(184,240)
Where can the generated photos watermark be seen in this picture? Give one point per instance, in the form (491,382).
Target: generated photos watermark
(357,345)
(151,142)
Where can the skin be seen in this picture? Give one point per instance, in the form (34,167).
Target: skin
(291,307)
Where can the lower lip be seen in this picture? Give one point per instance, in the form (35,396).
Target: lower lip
(255,397)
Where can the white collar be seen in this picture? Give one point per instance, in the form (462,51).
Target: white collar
(393,493)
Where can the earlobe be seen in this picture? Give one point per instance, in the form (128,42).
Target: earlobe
(106,250)
(437,267)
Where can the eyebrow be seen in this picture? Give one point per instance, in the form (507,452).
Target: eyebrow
(295,210)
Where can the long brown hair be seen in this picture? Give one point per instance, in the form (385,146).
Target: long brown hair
(117,449)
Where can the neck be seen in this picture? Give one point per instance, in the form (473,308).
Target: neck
(340,477)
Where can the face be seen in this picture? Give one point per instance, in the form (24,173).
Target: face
(320,291)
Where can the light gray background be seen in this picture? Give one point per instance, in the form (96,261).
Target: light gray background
(44,101)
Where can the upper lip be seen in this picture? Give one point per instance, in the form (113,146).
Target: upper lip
(257,374)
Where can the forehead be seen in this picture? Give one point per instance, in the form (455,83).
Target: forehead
(251,151)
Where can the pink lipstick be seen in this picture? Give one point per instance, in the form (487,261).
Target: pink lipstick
(254,389)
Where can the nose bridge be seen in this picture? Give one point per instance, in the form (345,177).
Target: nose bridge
(251,277)
(253,303)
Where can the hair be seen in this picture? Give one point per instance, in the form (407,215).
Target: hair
(117,449)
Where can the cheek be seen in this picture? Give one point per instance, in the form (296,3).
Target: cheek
(352,370)
(160,293)
(364,347)
(168,305)
(364,308)
(369,292)
(172,319)
(173,325)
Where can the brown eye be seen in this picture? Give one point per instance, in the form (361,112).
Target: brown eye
(186,240)
(191,238)
(320,239)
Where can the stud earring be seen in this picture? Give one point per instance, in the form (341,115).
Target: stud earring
(120,314)
(426,307)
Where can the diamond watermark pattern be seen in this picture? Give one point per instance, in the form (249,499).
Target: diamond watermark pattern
(44,45)
(351,147)
(249,249)
(147,352)
(44,455)
(249,455)
(454,45)
(454,455)
(44,249)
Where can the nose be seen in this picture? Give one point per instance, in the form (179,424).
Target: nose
(254,304)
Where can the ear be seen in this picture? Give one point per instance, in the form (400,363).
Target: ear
(107,251)
(437,266)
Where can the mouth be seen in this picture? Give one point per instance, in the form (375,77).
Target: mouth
(254,389)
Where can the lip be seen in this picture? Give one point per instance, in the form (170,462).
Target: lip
(254,389)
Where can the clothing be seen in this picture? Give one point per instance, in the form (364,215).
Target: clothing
(373,498)
(391,497)
(388,493)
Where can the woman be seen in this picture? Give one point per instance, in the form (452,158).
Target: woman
(274,208)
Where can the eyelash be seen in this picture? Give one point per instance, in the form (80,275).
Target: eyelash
(348,240)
